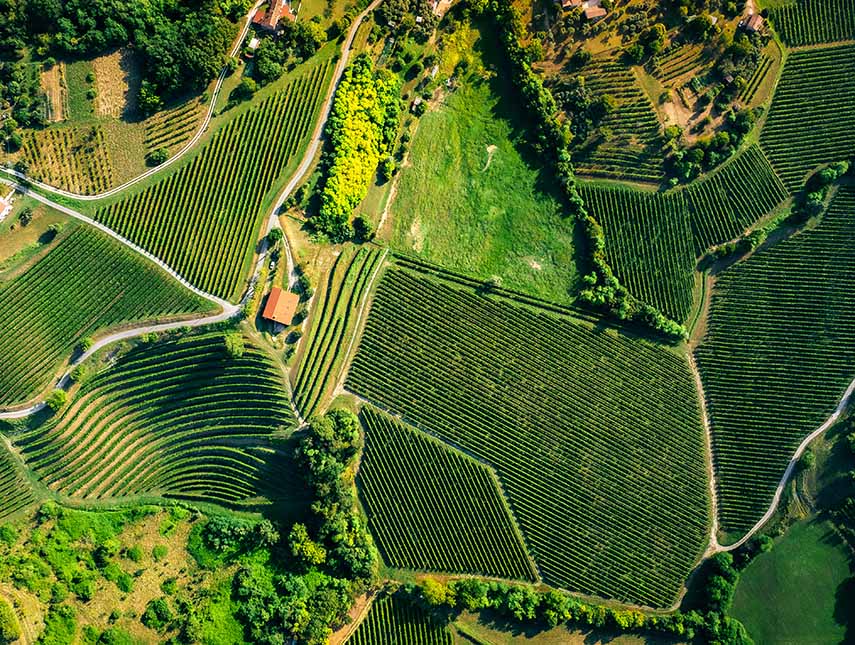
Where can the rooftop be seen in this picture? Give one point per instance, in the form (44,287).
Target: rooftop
(281,306)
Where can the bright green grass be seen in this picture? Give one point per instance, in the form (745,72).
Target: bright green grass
(454,209)
(79,105)
(793,593)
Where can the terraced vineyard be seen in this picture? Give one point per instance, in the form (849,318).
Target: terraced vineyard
(648,244)
(677,61)
(432,508)
(333,322)
(74,159)
(778,354)
(393,620)
(16,494)
(810,120)
(596,437)
(727,202)
(203,220)
(811,22)
(633,150)
(46,310)
(171,129)
(175,419)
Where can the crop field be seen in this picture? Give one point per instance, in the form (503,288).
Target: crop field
(432,508)
(677,61)
(747,94)
(15,492)
(174,419)
(778,354)
(725,204)
(333,322)
(634,149)
(810,121)
(595,436)
(811,22)
(393,619)
(648,244)
(50,307)
(203,219)
(171,129)
(74,159)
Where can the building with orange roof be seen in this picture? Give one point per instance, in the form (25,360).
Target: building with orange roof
(281,306)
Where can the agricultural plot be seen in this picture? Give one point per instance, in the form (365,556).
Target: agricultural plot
(432,508)
(16,494)
(747,94)
(75,159)
(676,62)
(810,120)
(730,200)
(171,129)
(395,620)
(333,322)
(778,354)
(174,419)
(648,244)
(86,284)
(633,149)
(595,436)
(203,219)
(811,22)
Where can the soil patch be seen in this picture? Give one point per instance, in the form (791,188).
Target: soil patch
(53,84)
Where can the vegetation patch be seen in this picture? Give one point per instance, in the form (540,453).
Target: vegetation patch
(397,619)
(75,159)
(812,22)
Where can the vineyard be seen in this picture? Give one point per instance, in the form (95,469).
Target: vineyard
(171,129)
(86,284)
(174,419)
(431,508)
(811,22)
(747,94)
(633,150)
(677,61)
(648,244)
(333,322)
(727,202)
(15,491)
(74,159)
(595,436)
(393,620)
(810,121)
(778,354)
(203,220)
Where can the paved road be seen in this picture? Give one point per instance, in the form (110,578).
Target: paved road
(184,150)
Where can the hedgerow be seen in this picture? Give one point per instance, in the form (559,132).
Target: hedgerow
(360,131)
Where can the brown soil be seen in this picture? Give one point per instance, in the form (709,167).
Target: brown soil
(53,84)
(117,81)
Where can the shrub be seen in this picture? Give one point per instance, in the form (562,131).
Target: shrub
(235,346)
(157,157)
(10,631)
(157,614)
(56,400)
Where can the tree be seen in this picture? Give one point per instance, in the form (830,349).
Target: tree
(157,157)
(808,460)
(56,400)
(148,100)
(434,592)
(10,630)
(245,89)
(303,548)
(235,347)
(275,236)
(25,216)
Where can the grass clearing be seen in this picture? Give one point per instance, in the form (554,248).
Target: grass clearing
(503,219)
(80,106)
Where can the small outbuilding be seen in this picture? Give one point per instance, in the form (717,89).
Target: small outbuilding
(281,306)
(593,14)
(753,23)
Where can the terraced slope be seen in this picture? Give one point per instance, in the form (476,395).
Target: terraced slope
(727,202)
(778,354)
(811,120)
(596,437)
(86,284)
(16,494)
(812,22)
(175,419)
(203,220)
(333,322)
(395,620)
(648,244)
(431,508)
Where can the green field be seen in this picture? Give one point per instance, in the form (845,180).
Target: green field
(52,305)
(171,419)
(811,22)
(595,436)
(797,593)
(473,199)
(203,220)
(648,244)
(394,620)
(778,354)
(16,494)
(810,121)
(431,508)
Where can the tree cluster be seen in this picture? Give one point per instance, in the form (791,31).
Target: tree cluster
(297,42)
(810,201)
(402,18)
(687,163)
(360,133)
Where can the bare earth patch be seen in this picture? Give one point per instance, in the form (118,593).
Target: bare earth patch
(417,236)
(53,84)
(117,82)
(491,150)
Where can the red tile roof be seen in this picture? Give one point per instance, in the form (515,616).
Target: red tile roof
(281,306)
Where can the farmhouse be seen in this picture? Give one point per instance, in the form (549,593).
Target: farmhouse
(281,306)
(269,20)
(569,4)
(594,13)
(753,23)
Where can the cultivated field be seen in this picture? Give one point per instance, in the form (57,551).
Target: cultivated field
(203,220)
(728,201)
(170,129)
(811,22)
(16,493)
(596,437)
(393,619)
(333,323)
(174,419)
(778,354)
(811,121)
(75,159)
(648,244)
(431,508)
(86,284)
